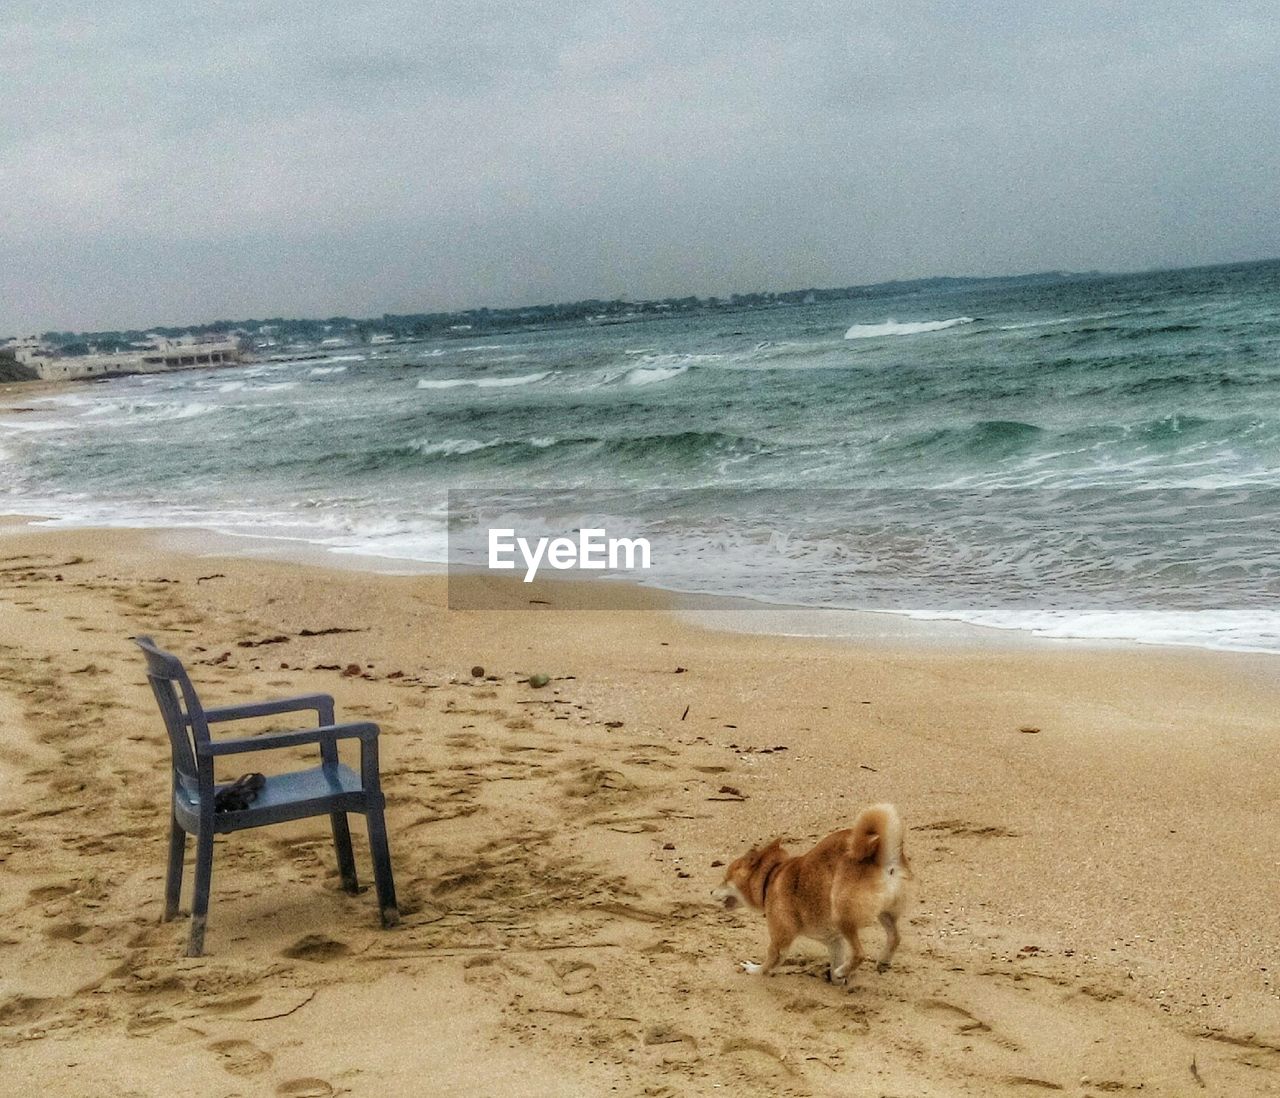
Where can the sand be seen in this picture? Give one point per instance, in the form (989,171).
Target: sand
(1095,910)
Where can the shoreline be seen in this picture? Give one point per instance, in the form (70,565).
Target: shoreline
(729,613)
(1080,870)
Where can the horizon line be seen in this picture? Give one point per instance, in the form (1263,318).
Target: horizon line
(1045,273)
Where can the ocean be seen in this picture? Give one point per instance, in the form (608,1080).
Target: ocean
(1093,457)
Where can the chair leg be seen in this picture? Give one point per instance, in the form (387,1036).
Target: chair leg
(173,878)
(342,845)
(200,901)
(383,880)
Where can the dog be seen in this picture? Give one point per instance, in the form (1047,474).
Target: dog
(852,879)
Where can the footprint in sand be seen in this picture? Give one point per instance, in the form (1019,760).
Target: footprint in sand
(671,1045)
(966,1024)
(647,760)
(242,1057)
(594,781)
(316,947)
(764,1055)
(50,892)
(67,932)
(231,1005)
(967,827)
(20,1009)
(305,1088)
(630,827)
(575,977)
(145,1024)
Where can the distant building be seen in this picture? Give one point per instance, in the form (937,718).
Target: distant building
(154,357)
(30,351)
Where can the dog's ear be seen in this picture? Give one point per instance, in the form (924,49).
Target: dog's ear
(758,853)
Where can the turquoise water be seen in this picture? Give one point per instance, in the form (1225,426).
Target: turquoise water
(1095,457)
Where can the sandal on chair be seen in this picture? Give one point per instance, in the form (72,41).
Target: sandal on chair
(240,794)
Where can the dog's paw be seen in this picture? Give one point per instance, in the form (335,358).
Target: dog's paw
(751,968)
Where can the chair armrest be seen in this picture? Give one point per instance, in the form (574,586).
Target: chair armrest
(321,703)
(329,733)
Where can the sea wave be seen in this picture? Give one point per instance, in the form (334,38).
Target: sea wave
(448,447)
(896,328)
(1050,322)
(482,382)
(37,425)
(653,375)
(1254,630)
(984,439)
(158,412)
(677,449)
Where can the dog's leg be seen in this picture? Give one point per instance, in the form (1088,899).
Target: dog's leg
(835,951)
(853,955)
(889,921)
(780,938)
(770,962)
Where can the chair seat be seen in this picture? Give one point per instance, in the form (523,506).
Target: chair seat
(291,796)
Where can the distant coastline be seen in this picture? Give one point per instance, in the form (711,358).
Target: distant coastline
(486,320)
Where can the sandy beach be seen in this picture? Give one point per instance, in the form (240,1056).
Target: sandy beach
(1093,832)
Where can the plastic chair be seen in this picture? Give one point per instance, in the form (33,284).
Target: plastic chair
(331,789)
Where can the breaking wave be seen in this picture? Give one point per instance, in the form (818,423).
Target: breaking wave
(482,382)
(897,328)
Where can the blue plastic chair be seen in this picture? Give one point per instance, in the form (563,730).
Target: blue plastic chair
(331,788)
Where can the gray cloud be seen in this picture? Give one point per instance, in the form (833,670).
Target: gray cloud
(182,161)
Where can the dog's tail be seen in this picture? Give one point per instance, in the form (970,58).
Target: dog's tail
(877,837)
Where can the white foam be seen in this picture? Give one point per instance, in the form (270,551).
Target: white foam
(472,349)
(451,446)
(19,425)
(321,371)
(1255,630)
(187,411)
(896,328)
(643,375)
(155,412)
(1038,323)
(1055,320)
(482,382)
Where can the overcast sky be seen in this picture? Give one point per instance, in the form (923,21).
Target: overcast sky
(194,159)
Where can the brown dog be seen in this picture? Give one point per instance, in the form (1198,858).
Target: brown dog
(851,879)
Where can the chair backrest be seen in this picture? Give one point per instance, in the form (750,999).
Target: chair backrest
(180,707)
